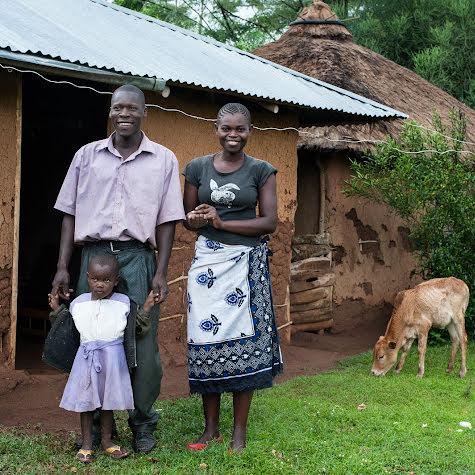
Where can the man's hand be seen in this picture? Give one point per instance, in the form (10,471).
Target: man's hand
(62,279)
(164,236)
(60,284)
(159,288)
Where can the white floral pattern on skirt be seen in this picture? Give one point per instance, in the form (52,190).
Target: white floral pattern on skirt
(232,334)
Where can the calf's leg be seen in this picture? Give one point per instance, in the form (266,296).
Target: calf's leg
(455,343)
(422,346)
(463,350)
(405,350)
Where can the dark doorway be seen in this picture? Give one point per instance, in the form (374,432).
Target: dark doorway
(308,194)
(57,120)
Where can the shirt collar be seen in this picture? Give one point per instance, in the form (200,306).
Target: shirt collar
(145,145)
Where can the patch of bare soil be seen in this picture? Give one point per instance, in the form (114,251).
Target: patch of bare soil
(29,396)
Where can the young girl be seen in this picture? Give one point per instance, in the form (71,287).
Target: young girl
(99,377)
(232,337)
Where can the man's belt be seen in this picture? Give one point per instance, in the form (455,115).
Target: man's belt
(117,246)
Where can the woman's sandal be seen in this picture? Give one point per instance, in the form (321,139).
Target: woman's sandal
(195,446)
(116,452)
(84,456)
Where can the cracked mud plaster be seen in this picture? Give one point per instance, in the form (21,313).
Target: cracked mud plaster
(8,164)
(338,254)
(5,295)
(349,220)
(367,287)
(404,237)
(366,233)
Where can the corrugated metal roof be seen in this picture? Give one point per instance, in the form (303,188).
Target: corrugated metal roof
(102,35)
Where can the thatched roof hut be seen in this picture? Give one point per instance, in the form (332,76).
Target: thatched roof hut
(329,53)
(370,253)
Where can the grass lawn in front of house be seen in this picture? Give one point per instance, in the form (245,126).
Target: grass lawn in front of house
(341,422)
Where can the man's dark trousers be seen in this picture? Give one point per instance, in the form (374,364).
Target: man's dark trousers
(137,268)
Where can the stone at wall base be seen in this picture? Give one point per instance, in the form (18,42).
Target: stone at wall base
(311,295)
(310,268)
(319,281)
(323,238)
(312,263)
(304,251)
(324,303)
(311,327)
(311,316)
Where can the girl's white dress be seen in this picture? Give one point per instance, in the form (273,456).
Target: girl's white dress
(99,377)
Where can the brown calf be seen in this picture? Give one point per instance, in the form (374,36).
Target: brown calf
(438,303)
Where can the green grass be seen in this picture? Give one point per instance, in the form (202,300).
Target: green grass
(307,425)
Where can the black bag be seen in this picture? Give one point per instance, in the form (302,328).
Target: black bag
(62,343)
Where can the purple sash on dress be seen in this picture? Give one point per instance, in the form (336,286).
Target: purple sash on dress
(99,378)
(89,353)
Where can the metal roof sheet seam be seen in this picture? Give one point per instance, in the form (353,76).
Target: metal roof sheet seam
(78,32)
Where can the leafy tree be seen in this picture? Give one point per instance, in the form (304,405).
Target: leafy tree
(177,13)
(434,194)
(434,38)
(245,24)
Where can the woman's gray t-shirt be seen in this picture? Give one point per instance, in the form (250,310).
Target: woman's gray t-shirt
(234,195)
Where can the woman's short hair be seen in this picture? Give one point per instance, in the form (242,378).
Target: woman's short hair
(234,108)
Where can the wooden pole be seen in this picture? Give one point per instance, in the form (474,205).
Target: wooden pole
(321,218)
(16,230)
(178,279)
(178,315)
(284,325)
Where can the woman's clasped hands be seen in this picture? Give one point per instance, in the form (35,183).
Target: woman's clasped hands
(202,215)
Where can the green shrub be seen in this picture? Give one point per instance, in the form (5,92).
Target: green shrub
(432,191)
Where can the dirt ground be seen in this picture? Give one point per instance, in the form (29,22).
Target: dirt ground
(29,396)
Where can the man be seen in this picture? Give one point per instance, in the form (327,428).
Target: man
(122,195)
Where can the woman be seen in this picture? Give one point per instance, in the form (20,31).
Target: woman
(232,337)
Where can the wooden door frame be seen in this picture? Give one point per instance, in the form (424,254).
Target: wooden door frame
(16,232)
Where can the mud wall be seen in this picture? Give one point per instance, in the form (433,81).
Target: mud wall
(189,138)
(373,271)
(9,144)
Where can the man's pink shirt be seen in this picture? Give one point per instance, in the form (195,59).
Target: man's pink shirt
(118,200)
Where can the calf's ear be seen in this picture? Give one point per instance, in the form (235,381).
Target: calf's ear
(392,345)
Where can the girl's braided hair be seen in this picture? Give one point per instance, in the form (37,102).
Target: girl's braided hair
(234,108)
